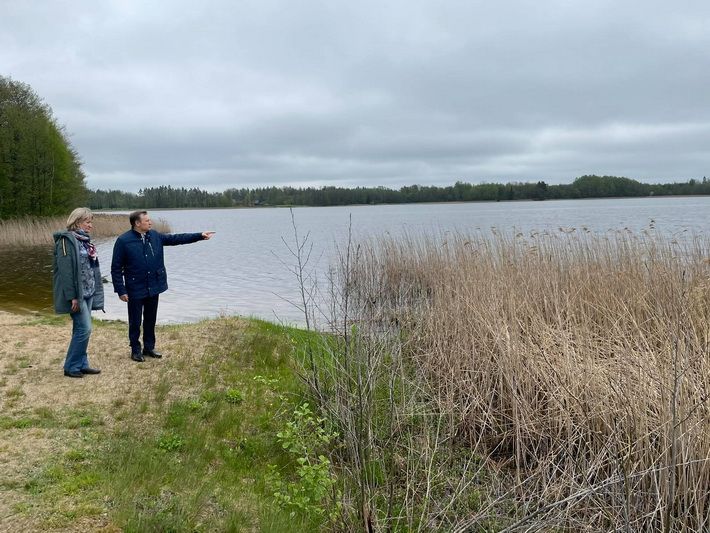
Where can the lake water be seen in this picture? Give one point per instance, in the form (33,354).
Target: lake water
(241,270)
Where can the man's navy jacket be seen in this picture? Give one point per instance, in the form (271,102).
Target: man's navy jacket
(138,268)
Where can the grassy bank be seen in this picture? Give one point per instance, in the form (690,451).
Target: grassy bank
(36,231)
(186,443)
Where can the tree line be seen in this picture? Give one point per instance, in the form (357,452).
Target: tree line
(40,172)
(589,186)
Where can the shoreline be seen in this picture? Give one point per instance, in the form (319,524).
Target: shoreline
(448,202)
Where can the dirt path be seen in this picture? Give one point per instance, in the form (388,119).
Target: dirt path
(33,390)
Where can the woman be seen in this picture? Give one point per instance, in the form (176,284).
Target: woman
(77,286)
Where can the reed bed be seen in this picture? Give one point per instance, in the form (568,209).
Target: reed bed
(38,231)
(576,365)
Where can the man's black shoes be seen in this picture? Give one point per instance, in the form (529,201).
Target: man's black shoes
(89,370)
(69,374)
(138,356)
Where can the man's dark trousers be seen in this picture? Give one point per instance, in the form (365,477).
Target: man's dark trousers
(147,310)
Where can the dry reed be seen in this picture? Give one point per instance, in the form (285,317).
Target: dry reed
(38,231)
(578,364)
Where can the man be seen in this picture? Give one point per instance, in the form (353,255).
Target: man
(138,275)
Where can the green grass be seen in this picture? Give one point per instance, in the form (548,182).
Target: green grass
(161,390)
(44,417)
(66,488)
(49,320)
(205,468)
(203,461)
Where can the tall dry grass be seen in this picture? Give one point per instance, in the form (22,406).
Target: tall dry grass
(577,364)
(37,231)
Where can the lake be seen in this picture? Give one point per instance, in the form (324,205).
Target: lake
(244,269)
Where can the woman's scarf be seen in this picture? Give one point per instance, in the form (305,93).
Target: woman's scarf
(85,240)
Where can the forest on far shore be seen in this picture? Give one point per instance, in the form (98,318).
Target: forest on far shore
(583,187)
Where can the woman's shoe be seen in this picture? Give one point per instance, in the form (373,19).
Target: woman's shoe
(69,374)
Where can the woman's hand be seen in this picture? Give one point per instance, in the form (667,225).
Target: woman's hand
(75,305)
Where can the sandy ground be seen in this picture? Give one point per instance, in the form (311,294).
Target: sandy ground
(32,351)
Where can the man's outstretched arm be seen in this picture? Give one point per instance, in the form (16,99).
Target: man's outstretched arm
(174,239)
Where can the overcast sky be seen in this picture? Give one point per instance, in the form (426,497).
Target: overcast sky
(234,93)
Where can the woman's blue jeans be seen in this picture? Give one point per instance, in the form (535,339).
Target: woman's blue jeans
(77,358)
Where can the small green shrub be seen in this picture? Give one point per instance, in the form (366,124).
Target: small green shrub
(194,405)
(269,382)
(305,438)
(234,396)
(75,455)
(171,442)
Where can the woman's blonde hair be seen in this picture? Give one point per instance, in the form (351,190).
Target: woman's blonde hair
(77,216)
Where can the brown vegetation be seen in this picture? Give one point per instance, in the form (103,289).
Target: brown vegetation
(576,364)
(32,231)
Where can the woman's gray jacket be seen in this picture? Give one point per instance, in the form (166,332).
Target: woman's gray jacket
(67,276)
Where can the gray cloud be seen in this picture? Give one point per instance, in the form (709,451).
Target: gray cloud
(222,94)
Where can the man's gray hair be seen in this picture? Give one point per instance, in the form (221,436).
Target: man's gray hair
(78,216)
